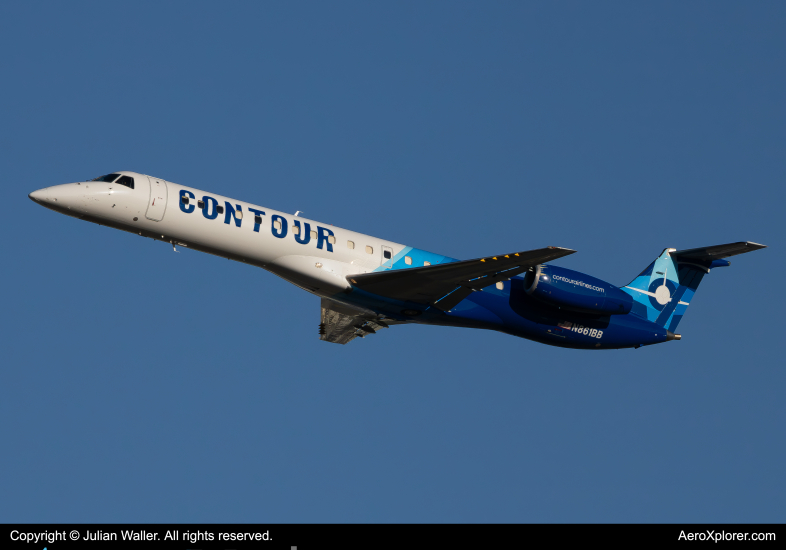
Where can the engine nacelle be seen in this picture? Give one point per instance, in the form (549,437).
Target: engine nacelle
(576,291)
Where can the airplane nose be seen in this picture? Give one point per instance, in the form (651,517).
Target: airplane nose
(37,196)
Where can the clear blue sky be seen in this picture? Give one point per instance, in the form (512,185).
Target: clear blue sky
(143,385)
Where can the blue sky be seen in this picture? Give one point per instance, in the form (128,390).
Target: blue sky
(143,385)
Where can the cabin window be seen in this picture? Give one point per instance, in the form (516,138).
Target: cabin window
(258,220)
(387,254)
(277,225)
(220,209)
(500,286)
(426,263)
(296,230)
(128,181)
(239,214)
(351,245)
(331,239)
(369,250)
(407,260)
(184,199)
(200,205)
(313,234)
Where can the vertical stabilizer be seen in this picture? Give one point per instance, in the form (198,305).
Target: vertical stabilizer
(663,291)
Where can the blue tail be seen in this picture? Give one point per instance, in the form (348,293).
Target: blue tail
(663,291)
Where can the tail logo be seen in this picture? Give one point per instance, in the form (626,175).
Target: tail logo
(663,292)
(660,292)
(662,295)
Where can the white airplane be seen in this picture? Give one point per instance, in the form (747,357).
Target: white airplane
(367,283)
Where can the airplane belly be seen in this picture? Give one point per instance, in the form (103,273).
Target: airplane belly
(325,276)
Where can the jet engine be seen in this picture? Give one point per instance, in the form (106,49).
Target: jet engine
(574,291)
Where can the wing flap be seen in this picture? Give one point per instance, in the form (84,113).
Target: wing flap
(341,324)
(437,284)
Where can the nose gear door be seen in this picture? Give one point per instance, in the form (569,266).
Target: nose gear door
(157,203)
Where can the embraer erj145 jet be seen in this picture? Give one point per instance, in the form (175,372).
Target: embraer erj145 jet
(367,284)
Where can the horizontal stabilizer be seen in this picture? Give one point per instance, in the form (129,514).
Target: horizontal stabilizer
(445,285)
(719,251)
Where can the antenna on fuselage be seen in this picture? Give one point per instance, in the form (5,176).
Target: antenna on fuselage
(297,213)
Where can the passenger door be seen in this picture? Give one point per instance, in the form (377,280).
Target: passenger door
(156,207)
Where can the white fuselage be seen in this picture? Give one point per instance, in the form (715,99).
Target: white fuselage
(317,259)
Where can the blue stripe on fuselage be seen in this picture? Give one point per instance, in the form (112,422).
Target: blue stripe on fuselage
(418,258)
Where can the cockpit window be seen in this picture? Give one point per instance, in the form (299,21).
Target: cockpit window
(128,181)
(108,178)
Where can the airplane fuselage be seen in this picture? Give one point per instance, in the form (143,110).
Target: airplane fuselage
(322,259)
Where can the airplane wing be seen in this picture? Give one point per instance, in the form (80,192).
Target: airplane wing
(445,285)
(719,251)
(341,324)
